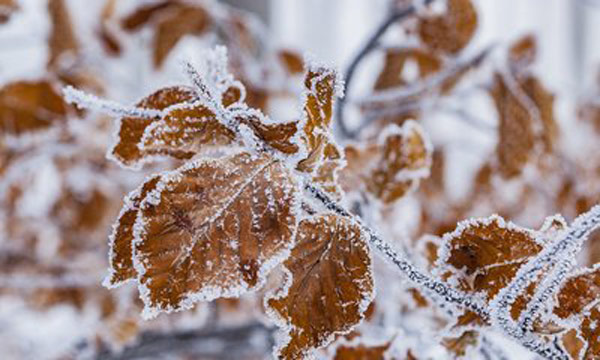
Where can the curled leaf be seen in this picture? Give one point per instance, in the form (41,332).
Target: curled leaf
(329,288)
(324,157)
(213,229)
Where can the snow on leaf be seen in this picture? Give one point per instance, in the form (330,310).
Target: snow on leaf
(483,255)
(324,157)
(121,239)
(578,292)
(183,130)
(329,285)
(450,32)
(213,228)
(30,105)
(131,129)
(392,167)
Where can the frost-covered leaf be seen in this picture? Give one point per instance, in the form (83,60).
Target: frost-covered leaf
(213,228)
(329,287)
(131,129)
(484,255)
(578,292)
(324,157)
(279,136)
(121,239)
(30,105)
(449,32)
(63,41)
(394,166)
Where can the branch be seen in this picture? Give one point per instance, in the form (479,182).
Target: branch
(367,48)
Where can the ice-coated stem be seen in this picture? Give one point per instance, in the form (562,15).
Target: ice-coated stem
(84,100)
(417,277)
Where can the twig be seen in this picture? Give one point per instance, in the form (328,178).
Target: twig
(370,45)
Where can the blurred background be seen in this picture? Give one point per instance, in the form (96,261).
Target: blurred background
(59,195)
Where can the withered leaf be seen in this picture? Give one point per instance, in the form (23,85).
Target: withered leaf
(452,31)
(329,287)
(121,238)
(291,60)
(523,52)
(172,21)
(131,129)
(484,255)
(29,106)
(392,75)
(394,166)
(62,41)
(578,292)
(459,345)
(324,157)
(213,228)
(280,136)
(361,352)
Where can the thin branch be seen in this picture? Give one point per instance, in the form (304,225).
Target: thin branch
(369,46)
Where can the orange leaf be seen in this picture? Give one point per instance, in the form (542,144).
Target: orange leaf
(62,39)
(329,287)
(212,229)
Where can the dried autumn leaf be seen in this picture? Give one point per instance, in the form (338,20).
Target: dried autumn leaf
(484,255)
(131,129)
(394,166)
(361,352)
(29,106)
(291,60)
(107,37)
(62,41)
(324,157)
(459,345)
(523,52)
(280,136)
(515,130)
(212,229)
(329,288)
(577,293)
(394,74)
(452,31)
(172,20)
(121,238)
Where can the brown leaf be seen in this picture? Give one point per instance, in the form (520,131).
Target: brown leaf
(329,288)
(452,31)
(459,345)
(577,292)
(181,21)
(29,106)
(515,131)
(393,73)
(361,352)
(212,229)
(121,238)
(523,52)
(107,37)
(391,168)
(280,136)
(291,60)
(324,157)
(184,130)
(131,130)
(62,41)
(484,255)
(143,14)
